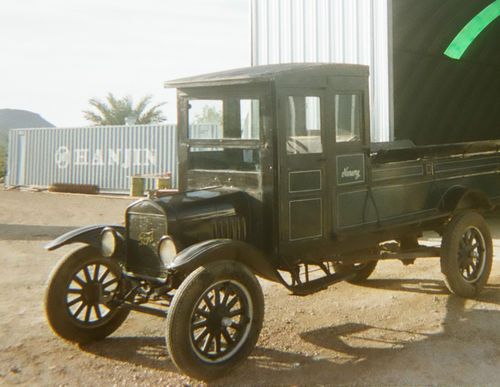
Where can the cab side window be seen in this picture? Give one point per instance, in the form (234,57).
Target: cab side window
(348,117)
(303,121)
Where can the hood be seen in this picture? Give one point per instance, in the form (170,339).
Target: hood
(202,204)
(199,215)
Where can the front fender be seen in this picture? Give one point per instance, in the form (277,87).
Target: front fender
(89,235)
(209,251)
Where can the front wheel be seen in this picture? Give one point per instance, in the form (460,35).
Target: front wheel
(80,294)
(214,320)
(466,254)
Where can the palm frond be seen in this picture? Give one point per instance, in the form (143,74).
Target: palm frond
(106,112)
(154,114)
(115,111)
(143,103)
(92,117)
(113,102)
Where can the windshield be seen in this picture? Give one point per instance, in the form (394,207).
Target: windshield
(229,118)
(223,134)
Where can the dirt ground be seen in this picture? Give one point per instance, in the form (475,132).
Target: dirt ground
(400,328)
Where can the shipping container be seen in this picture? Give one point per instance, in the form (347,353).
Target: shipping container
(106,156)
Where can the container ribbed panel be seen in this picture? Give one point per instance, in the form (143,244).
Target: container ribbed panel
(106,156)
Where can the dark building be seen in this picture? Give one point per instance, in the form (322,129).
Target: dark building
(438,99)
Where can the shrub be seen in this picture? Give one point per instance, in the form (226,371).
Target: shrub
(3,161)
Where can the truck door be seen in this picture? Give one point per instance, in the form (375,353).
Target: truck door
(353,204)
(303,203)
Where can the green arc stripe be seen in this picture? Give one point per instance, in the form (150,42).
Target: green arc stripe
(471,31)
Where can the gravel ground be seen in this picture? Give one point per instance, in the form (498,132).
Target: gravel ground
(400,328)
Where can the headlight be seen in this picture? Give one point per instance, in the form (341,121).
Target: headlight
(109,241)
(167,250)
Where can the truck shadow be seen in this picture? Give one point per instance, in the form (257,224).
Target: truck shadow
(149,352)
(423,286)
(28,232)
(347,351)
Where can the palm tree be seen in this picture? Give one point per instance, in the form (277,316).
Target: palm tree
(117,111)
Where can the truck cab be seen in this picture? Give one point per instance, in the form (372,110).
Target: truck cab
(295,138)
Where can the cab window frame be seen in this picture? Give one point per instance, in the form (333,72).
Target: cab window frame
(231,121)
(358,137)
(297,145)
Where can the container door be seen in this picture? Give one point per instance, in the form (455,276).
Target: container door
(21,159)
(302,170)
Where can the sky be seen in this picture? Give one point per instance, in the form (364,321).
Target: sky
(57,54)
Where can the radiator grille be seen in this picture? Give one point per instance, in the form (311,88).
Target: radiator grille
(233,227)
(144,234)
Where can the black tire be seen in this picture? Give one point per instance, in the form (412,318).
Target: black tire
(201,313)
(76,299)
(360,271)
(466,254)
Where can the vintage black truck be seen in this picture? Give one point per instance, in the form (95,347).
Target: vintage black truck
(286,186)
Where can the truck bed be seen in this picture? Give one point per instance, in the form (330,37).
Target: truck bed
(407,184)
(402,150)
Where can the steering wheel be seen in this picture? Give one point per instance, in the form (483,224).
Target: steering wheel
(296,146)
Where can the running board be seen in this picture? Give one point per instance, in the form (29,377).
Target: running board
(316,285)
(421,252)
(402,255)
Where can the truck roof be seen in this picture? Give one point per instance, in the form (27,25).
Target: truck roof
(269,73)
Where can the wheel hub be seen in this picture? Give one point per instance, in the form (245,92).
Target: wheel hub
(92,292)
(218,319)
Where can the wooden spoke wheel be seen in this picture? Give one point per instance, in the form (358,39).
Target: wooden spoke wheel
(80,300)
(215,319)
(466,254)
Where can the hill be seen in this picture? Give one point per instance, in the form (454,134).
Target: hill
(14,118)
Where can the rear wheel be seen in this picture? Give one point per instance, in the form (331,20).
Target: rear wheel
(359,271)
(214,320)
(466,254)
(80,294)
